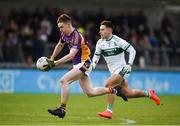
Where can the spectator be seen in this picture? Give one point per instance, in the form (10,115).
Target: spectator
(35,30)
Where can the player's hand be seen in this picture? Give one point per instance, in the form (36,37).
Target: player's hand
(51,58)
(50,65)
(93,65)
(126,69)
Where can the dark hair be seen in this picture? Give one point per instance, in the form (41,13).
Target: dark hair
(64,18)
(107,23)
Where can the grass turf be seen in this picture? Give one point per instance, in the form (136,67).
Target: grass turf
(31,109)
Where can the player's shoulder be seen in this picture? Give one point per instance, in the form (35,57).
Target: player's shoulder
(117,38)
(77,36)
(99,41)
(76,33)
(63,38)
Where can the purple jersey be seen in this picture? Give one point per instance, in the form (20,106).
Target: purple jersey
(76,40)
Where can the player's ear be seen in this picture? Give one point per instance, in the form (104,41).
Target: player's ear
(69,24)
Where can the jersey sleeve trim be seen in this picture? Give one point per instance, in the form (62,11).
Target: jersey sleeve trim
(97,54)
(127,47)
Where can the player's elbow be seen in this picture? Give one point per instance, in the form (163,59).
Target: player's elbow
(59,46)
(132,50)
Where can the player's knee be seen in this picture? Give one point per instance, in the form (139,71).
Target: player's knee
(62,81)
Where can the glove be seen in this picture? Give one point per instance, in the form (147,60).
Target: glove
(126,69)
(51,58)
(50,65)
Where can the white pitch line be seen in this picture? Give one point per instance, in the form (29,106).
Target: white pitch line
(124,121)
(128,121)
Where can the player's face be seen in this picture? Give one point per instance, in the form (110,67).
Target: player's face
(105,32)
(64,28)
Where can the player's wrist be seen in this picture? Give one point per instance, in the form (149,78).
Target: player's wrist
(52,58)
(53,63)
(93,65)
(130,64)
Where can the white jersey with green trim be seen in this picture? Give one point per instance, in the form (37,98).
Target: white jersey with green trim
(113,52)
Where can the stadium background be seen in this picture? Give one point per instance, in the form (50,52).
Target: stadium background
(28,31)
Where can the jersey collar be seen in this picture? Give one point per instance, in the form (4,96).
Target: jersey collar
(109,38)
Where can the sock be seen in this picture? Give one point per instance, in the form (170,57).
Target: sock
(63,106)
(110,107)
(111,90)
(146,93)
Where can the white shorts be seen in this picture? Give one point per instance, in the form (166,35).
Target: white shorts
(118,71)
(80,66)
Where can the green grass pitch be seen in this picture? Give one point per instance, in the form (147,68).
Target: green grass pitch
(31,109)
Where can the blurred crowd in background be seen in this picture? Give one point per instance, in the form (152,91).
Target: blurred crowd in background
(27,35)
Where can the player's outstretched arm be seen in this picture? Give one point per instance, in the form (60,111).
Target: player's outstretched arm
(57,50)
(95,60)
(64,59)
(132,54)
(67,57)
(97,55)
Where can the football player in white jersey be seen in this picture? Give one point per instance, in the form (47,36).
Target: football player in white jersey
(113,49)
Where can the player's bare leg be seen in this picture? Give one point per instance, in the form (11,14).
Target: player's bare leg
(67,79)
(110,101)
(113,80)
(136,93)
(86,85)
(87,88)
(108,112)
(73,75)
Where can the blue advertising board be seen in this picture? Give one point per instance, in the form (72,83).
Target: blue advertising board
(34,81)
